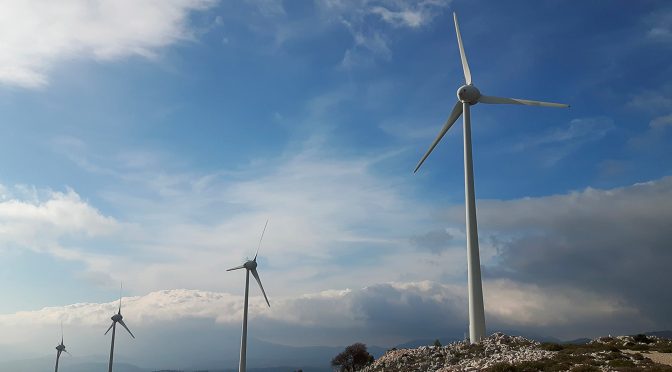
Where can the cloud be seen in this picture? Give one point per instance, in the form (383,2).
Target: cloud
(659,26)
(554,308)
(661,122)
(652,101)
(36,35)
(382,314)
(563,264)
(324,210)
(435,241)
(558,143)
(366,312)
(57,224)
(409,14)
(658,104)
(614,242)
(371,39)
(29,217)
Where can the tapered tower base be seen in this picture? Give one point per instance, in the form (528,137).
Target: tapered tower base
(476,308)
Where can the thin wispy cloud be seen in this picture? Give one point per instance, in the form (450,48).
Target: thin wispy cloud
(558,143)
(659,26)
(657,104)
(371,39)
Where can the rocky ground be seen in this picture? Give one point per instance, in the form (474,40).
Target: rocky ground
(501,352)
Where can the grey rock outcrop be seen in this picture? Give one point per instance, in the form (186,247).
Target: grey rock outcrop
(460,356)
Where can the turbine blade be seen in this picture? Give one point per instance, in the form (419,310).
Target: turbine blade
(256,276)
(67,352)
(518,101)
(463,56)
(121,288)
(236,268)
(457,111)
(259,246)
(108,330)
(124,325)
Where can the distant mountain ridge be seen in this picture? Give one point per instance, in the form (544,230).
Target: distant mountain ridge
(661,334)
(272,357)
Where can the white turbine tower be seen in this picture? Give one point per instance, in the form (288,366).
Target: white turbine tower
(116,318)
(60,348)
(249,266)
(469,95)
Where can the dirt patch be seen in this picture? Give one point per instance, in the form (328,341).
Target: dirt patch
(658,357)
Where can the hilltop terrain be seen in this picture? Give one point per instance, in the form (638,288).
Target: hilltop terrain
(503,353)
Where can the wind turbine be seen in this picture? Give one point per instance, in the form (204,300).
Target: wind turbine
(250,266)
(116,318)
(467,96)
(60,349)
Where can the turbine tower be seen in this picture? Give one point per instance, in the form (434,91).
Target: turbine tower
(468,95)
(116,318)
(60,349)
(249,266)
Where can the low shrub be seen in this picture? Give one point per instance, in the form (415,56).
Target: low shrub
(621,363)
(639,347)
(585,368)
(551,346)
(502,367)
(641,338)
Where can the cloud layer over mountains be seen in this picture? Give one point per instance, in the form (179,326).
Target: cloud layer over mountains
(581,264)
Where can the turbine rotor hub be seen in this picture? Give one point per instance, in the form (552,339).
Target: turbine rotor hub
(468,94)
(117,317)
(250,265)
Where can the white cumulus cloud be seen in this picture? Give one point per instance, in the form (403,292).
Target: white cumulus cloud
(34,35)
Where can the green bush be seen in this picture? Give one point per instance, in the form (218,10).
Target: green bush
(502,367)
(550,346)
(585,368)
(353,358)
(641,338)
(639,347)
(660,368)
(621,363)
(615,354)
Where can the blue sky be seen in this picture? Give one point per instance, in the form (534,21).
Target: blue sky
(149,141)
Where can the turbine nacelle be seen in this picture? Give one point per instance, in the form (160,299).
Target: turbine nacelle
(117,317)
(60,347)
(468,94)
(250,267)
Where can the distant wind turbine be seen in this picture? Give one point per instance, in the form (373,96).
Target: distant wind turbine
(60,349)
(250,266)
(469,95)
(116,318)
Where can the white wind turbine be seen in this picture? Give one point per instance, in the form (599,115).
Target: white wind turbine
(469,95)
(116,318)
(249,266)
(60,348)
